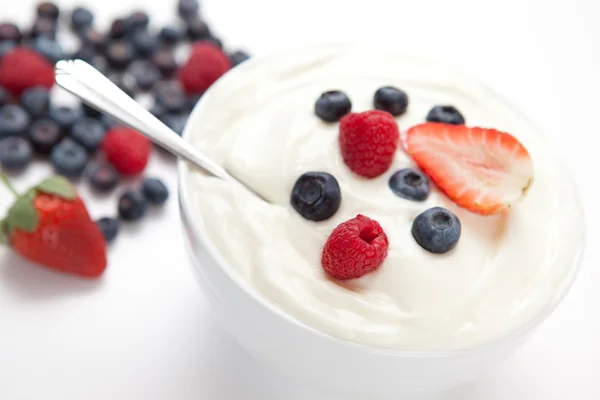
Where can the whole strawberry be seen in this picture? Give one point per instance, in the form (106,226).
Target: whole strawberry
(206,64)
(50,226)
(22,69)
(127,150)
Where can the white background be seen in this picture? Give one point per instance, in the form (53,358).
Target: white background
(144,331)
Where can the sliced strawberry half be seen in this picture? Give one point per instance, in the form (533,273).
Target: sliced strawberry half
(483,170)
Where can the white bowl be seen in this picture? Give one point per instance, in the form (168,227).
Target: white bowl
(317,359)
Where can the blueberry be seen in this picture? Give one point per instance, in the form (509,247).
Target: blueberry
(410,184)
(15,153)
(164,59)
(49,49)
(145,43)
(65,117)
(14,121)
(158,110)
(238,57)
(90,111)
(216,41)
(44,27)
(4,97)
(10,32)
(146,75)
(155,191)
(120,54)
(81,18)
(108,121)
(191,101)
(89,133)
(187,8)
(445,114)
(332,105)
(174,121)
(437,230)
(48,10)
(138,20)
(100,63)
(86,53)
(93,39)
(69,158)
(169,35)
(132,205)
(316,196)
(36,101)
(196,29)
(109,228)
(125,83)
(104,177)
(6,46)
(171,96)
(119,28)
(391,99)
(44,134)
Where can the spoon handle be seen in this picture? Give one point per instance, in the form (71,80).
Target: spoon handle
(93,88)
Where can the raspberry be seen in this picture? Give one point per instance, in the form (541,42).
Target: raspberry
(354,248)
(368,142)
(127,150)
(22,69)
(206,64)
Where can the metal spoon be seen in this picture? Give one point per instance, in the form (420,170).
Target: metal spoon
(96,90)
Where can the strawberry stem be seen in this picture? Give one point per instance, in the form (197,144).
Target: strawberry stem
(9,185)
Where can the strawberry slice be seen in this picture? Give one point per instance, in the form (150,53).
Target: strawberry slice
(483,170)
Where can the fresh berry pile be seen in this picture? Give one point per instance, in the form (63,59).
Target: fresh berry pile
(83,145)
(484,171)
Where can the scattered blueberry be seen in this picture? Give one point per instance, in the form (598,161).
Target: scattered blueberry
(65,117)
(119,28)
(10,32)
(49,49)
(132,205)
(6,46)
(445,114)
(89,133)
(14,121)
(4,96)
(90,111)
(410,184)
(69,158)
(44,134)
(316,196)
(109,228)
(36,101)
(104,177)
(437,230)
(197,29)
(81,18)
(238,57)
(48,10)
(164,59)
(332,105)
(155,191)
(120,54)
(138,20)
(391,99)
(171,96)
(169,35)
(145,43)
(15,152)
(92,38)
(146,75)
(174,121)
(44,27)
(187,8)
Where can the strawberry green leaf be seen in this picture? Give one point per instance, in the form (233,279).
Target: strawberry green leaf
(23,214)
(58,186)
(3,231)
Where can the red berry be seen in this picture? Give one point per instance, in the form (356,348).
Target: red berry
(354,248)
(22,69)
(368,142)
(127,150)
(205,65)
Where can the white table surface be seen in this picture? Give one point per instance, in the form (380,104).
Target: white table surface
(145,332)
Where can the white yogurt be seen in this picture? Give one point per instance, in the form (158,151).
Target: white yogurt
(259,123)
